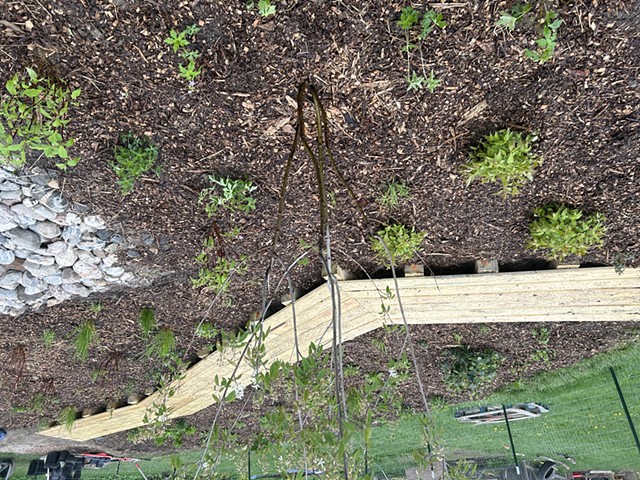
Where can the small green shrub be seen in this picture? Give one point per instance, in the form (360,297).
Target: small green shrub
(563,231)
(547,43)
(504,156)
(417,27)
(401,242)
(178,42)
(394,194)
(234,195)
(162,344)
(133,157)
(147,321)
(206,330)
(33,116)
(217,277)
(468,370)
(84,336)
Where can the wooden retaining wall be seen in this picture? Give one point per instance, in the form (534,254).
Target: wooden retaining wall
(563,295)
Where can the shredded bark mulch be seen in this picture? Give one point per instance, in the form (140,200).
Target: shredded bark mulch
(239,121)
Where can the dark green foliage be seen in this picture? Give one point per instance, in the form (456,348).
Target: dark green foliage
(468,370)
(133,157)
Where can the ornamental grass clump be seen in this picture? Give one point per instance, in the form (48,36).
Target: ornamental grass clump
(400,241)
(505,157)
(563,231)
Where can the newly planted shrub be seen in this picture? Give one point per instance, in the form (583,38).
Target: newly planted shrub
(504,156)
(234,195)
(468,370)
(401,242)
(32,117)
(217,276)
(562,231)
(416,27)
(133,157)
(179,43)
(547,43)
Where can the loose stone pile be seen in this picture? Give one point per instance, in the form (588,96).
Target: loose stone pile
(51,251)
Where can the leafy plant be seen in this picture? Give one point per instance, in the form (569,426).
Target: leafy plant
(416,27)
(504,156)
(133,157)
(409,17)
(175,433)
(206,330)
(234,195)
(217,276)
(48,338)
(84,336)
(432,82)
(178,42)
(265,8)
(162,344)
(400,241)
(547,43)
(468,370)
(395,192)
(541,335)
(67,417)
(96,308)
(32,116)
(509,19)
(621,260)
(563,231)
(147,321)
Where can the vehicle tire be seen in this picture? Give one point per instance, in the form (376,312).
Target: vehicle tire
(546,470)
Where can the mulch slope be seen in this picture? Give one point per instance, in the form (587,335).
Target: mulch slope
(239,122)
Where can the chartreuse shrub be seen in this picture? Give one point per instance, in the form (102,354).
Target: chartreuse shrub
(468,370)
(505,157)
(401,242)
(33,114)
(563,231)
(132,158)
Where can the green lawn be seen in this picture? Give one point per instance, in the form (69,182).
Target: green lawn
(586,421)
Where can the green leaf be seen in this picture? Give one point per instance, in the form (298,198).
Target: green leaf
(409,17)
(11,86)
(32,92)
(76,93)
(32,74)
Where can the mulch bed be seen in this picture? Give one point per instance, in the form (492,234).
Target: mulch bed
(239,122)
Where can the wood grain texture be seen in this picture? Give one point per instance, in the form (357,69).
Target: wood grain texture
(585,294)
